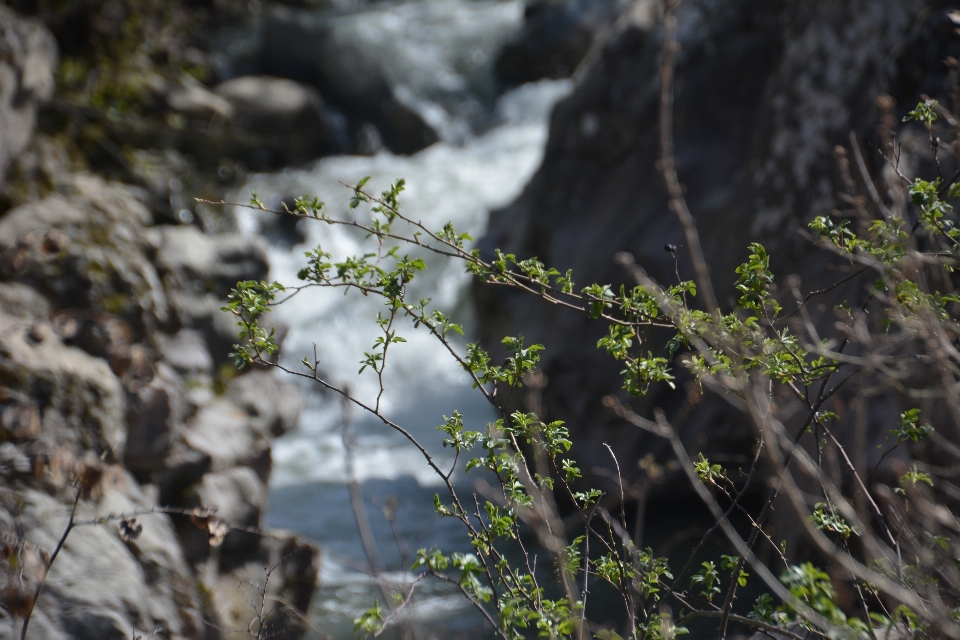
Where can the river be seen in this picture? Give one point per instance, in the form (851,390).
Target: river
(437,54)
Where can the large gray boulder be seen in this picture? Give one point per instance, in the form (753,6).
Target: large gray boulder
(28,56)
(275,121)
(765,91)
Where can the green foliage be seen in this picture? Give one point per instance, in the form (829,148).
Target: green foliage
(706,581)
(709,473)
(910,429)
(825,517)
(754,282)
(925,113)
(248,301)
(810,585)
(371,620)
(915,476)
(730,563)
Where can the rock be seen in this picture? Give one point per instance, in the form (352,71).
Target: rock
(22,301)
(272,401)
(238,495)
(556,36)
(186,351)
(275,121)
(20,421)
(755,152)
(197,263)
(85,247)
(192,99)
(223,432)
(144,586)
(78,398)
(28,56)
(200,270)
(345,75)
(293,567)
(154,411)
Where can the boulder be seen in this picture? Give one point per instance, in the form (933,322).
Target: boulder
(271,400)
(198,264)
(556,36)
(57,394)
(238,495)
(200,270)
(145,585)
(286,569)
(154,411)
(224,433)
(20,300)
(28,57)
(84,246)
(275,121)
(302,47)
(186,352)
(765,92)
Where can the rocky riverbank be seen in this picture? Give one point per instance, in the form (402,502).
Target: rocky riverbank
(116,389)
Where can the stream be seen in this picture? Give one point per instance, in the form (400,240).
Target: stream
(437,54)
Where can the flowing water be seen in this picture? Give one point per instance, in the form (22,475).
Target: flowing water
(437,54)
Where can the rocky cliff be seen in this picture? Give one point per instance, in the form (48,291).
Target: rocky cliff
(765,92)
(117,394)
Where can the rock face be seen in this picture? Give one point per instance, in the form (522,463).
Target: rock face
(115,387)
(28,54)
(765,91)
(555,37)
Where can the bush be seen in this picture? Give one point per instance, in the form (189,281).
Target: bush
(896,546)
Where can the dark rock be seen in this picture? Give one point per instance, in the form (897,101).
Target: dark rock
(297,567)
(28,56)
(182,469)
(556,36)
(154,412)
(765,91)
(299,46)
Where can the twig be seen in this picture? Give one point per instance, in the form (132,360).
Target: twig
(668,163)
(49,563)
